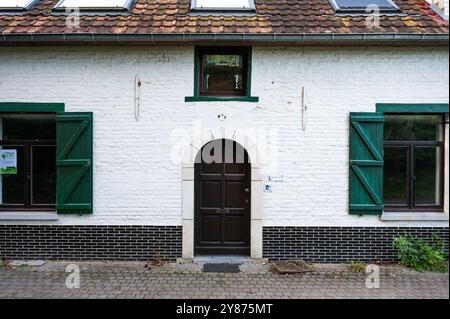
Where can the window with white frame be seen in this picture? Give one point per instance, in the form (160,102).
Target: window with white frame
(16,4)
(109,5)
(223,5)
(363,6)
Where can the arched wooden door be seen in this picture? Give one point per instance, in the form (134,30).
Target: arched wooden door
(222,200)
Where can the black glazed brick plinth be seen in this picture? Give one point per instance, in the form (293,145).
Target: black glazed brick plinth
(341,244)
(312,244)
(90,242)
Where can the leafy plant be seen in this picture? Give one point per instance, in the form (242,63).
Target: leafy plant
(421,256)
(357,266)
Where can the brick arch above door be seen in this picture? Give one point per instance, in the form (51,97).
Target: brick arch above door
(190,155)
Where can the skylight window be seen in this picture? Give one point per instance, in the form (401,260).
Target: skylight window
(95,5)
(16,5)
(360,6)
(223,5)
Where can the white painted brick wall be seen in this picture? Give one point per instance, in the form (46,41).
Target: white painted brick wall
(134,180)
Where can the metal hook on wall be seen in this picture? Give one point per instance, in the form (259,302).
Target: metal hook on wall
(137,97)
(303,109)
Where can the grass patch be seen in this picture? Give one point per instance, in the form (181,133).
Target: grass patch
(357,266)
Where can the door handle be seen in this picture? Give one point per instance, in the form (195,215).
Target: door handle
(247,190)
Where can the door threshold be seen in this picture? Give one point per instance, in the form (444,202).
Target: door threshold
(222,259)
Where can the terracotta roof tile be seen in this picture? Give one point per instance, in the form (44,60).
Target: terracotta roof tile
(272,16)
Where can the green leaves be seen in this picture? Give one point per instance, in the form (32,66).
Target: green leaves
(357,266)
(421,256)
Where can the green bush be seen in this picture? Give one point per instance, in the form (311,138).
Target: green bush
(417,254)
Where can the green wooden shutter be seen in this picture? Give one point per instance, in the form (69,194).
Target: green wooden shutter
(74,163)
(366,163)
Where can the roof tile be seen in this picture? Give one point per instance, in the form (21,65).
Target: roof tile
(272,16)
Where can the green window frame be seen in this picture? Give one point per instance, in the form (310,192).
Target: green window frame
(412,107)
(74,154)
(18,107)
(199,97)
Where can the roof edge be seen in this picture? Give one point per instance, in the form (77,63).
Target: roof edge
(185,38)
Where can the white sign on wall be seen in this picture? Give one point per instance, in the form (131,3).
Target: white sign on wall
(267,188)
(8,161)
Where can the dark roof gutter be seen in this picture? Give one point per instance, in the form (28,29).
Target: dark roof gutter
(191,38)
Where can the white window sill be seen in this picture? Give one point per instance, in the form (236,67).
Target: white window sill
(32,216)
(411,216)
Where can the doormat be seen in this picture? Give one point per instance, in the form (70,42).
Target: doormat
(222,268)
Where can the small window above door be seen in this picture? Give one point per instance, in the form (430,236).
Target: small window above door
(222,74)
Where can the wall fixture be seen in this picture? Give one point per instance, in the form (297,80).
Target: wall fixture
(275,178)
(137,97)
(303,109)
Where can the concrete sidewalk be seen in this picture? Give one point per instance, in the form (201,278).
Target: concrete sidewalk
(134,280)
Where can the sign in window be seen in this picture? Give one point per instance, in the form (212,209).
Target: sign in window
(8,161)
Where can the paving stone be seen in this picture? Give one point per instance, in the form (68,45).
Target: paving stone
(133,280)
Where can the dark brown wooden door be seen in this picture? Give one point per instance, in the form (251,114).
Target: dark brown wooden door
(222,200)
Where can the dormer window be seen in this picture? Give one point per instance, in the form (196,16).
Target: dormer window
(364,6)
(95,5)
(16,5)
(222,5)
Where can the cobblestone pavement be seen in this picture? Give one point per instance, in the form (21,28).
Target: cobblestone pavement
(134,280)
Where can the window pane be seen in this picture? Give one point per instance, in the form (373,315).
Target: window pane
(107,4)
(363,4)
(20,4)
(413,128)
(12,186)
(395,176)
(223,4)
(28,127)
(43,175)
(427,169)
(223,74)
